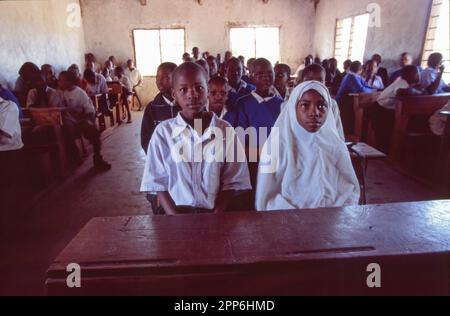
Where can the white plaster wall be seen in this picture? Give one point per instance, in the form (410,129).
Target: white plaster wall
(37,31)
(403,27)
(108,25)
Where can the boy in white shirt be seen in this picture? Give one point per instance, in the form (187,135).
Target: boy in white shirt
(41,96)
(79,118)
(194,184)
(136,79)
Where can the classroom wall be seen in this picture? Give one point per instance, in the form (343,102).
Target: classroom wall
(403,27)
(108,27)
(38,31)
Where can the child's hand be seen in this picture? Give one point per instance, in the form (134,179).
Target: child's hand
(442,68)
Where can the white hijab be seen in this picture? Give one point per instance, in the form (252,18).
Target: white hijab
(314,169)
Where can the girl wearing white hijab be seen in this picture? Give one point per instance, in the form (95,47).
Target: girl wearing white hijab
(313,166)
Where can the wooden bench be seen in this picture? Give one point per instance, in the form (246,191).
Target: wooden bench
(100,117)
(409,107)
(361,103)
(48,118)
(307,252)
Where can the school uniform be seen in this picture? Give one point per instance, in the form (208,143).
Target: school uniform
(352,83)
(193,182)
(333,80)
(11,133)
(100,86)
(243,90)
(383,74)
(33,99)
(246,79)
(428,76)
(7,95)
(310,170)
(256,111)
(134,76)
(375,83)
(79,118)
(157,111)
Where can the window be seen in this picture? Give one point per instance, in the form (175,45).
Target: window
(256,42)
(438,35)
(153,47)
(351,36)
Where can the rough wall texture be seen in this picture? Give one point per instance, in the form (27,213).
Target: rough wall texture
(108,28)
(403,27)
(37,31)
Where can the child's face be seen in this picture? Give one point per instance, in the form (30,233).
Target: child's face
(263,76)
(281,78)
(63,84)
(218,96)
(314,76)
(212,67)
(164,81)
(190,92)
(312,111)
(234,72)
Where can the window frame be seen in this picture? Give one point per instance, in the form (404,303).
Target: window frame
(159,37)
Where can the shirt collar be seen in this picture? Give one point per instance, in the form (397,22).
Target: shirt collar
(180,125)
(171,103)
(260,99)
(242,85)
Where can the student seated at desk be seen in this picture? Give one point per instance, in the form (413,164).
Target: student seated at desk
(79,118)
(333,76)
(316,72)
(50,76)
(381,72)
(163,107)
(96,85)
(217,96)
(127,89)
(406,59)
(383,113)
(370,76)
(80,82)
(431,78)
(353,82)
(28,73)
(184,184)
(108,71)
(42,96)
(314,169)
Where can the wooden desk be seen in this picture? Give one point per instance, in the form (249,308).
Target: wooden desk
(363,153)
(361,103)
(313,252)
(418,106)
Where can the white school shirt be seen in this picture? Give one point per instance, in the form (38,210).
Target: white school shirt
(125,82)
(10,130)
(388,98)
(428,76)
(134,76)
(32,96)
(77,104)
(376,83)
(194,181)
(100,86)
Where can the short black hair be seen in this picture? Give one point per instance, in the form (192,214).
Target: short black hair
(284,68)
(435,59)
(89,75)
(261,61)
(69,76)
(355,66)
(217,80)
(313,68)
(233,60)
(167,66)
(188,67)
(409,71)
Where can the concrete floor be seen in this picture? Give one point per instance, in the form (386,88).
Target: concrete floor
(44,229)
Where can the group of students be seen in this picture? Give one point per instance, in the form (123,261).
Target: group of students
(313,167)
(71,91)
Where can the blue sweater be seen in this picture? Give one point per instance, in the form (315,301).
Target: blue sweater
(352,83)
